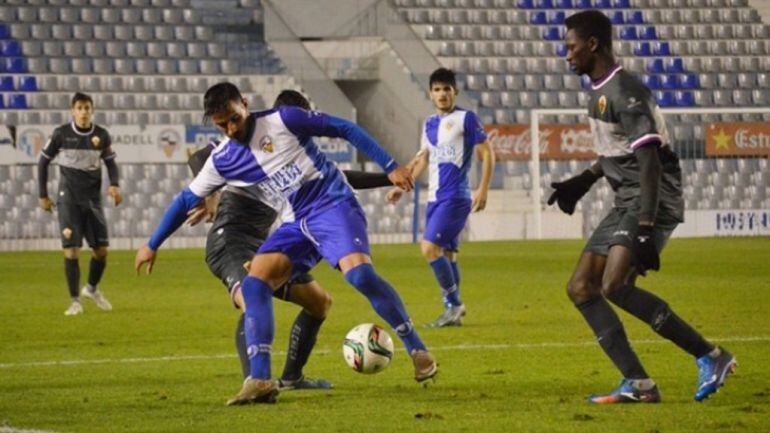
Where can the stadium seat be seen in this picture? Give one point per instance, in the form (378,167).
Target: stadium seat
(6,84)
(652,81)
(617,17)
(552,34)
(665,98)
(17,101)
(538,17)
(628,33)
(15,65)
(674,65)
(563,4)
(655,66)
(688,81)
(525,4)
(647,32)
(661,49)
(684,99)
(642,49)
(10,48)
(602,4)
(669,81)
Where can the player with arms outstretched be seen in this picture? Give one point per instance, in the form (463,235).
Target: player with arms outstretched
(449,139)
(79,147)
(636,159)
(272,153)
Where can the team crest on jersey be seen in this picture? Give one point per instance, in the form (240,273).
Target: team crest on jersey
(96,141)
(449,125)
(266,144)
(67,233)
(602,105)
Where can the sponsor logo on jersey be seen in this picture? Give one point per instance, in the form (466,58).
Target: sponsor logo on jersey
(266,144)
(602,104)
(96,141)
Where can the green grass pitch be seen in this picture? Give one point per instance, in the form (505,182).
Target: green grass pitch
(164,361)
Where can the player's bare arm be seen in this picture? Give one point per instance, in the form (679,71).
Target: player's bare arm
(487,167)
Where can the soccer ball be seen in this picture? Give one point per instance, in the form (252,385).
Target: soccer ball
(367,348)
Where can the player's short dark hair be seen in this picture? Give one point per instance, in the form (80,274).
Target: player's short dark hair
(592,23)
(443,75)
(81,97)
(218,97)
(291,98)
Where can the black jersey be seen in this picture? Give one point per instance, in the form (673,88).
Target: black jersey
(624,116)
(80,155)
(240,214)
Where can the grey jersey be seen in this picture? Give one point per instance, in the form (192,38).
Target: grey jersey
(241,215)
(624,116)
(80,155)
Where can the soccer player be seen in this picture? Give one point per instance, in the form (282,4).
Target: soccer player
(272,154)
(81,146)
(449,139)
(635,157)
(240,226)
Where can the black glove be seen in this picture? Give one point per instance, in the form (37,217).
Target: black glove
(568,192)
(645,250)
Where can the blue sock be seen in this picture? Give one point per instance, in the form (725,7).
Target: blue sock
(446,280)
(456,273)
(386,303)
(259,327)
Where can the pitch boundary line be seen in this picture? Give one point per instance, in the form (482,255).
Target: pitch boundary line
(459,347)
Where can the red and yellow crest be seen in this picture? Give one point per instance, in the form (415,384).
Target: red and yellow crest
(266,144)
(96,141)
(602,104)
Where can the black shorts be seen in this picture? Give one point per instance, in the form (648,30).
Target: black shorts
(78,220)
(619,228)
(228,255)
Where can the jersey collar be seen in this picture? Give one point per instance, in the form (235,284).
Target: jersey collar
(598,84)
(75,128)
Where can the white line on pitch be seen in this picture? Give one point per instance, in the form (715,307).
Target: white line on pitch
(9,429)
(460,347)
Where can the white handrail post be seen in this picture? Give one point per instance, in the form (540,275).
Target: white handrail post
(534,150)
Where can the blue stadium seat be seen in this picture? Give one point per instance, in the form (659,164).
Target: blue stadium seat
(621,4)
(661,49)
(648,33)
(563,4)
(635,17)
(544,4)
(557,17)
(684,99)
(669,81)
(655,66)
(651,81)
(15,65)
(561,50)
(688,81)
(17,101)
(602,4)
(583,4)
(28,83)
(538,17)
(628,33)
(5,32)
(525,4)
(552,34)
(642,49)
(2,102)
(675,65)
(10,48)
(6,83)
(665,99)
(617,17)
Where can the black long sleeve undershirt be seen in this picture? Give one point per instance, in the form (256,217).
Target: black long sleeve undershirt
(650,171)
(112,171)
(42,176)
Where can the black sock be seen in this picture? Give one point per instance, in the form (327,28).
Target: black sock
(95,271)
(72,271)
(240,346)
(301,341)
(655,312)
(612,337)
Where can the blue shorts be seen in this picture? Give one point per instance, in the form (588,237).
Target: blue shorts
(331,234)
(444,220)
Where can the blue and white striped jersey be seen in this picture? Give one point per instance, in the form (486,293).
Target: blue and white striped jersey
(450,139)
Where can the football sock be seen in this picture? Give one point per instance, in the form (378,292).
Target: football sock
(612,337)
(446,280)
(301,341)
(258,326)
(95,271)
(72,271)
(386,303)
(240,347)
(456,273)
(655,312)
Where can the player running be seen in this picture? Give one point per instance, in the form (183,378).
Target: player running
(449,139)
(635,157)
(272,154)
(240,226)
(81,146)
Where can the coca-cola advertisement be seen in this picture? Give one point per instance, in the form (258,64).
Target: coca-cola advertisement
(512,142)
